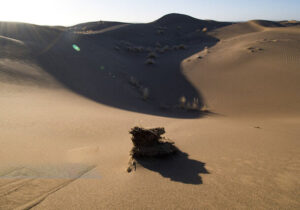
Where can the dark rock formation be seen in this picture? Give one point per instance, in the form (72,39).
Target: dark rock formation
(149,143)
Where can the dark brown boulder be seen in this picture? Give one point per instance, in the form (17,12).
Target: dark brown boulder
(149,143)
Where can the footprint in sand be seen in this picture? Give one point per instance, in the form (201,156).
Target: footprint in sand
(26,186)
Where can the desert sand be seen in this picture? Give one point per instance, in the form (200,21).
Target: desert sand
(70,95)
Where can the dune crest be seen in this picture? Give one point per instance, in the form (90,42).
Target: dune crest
(227,93)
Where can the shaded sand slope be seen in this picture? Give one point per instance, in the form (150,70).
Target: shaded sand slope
(59,150)
(112,55)
(110,59)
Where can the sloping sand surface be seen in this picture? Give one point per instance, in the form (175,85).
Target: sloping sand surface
(64,141)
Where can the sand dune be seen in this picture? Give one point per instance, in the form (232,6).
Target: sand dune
(65,114)
(258,75)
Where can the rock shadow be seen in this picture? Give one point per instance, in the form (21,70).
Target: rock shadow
(178,168)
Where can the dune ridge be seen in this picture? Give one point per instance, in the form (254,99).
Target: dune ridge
(65,114)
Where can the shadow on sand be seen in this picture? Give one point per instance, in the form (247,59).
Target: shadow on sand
(178,168)
(102,64)
(100,72)
(104,76)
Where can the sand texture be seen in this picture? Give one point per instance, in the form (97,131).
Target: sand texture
(227,94)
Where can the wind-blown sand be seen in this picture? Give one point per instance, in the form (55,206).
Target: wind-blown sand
(65,115)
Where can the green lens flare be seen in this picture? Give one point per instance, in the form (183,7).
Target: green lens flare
(75,47)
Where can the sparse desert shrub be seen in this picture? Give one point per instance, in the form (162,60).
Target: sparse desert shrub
(129,49)
(189,106)
(157,44)
(182,101)
(160,32)
(166,48)
(204,108)
(134,82)
(125,43)
(206,51)
(175,47)
(162,27)
(145,93)
(152,55)
(135,49)
(161,50)
(164,107)
(110,74)
(140,49)
(194,105)
(182,47)
(148,49)
(251,49)
(254,49)
(150,61)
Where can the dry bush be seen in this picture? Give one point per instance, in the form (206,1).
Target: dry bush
(145,93)
(134,82)
(204,108)
(166,48)
(206,51)
(157,49)
(152,55)
(130,49)
(160,32)
(190,106)
(157,44)
(148,49)
(182,47)
(193,106)
(135,49)
(161,50)
(117,48)
(175,47)
(140,49)
(150,61)
(182,101)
